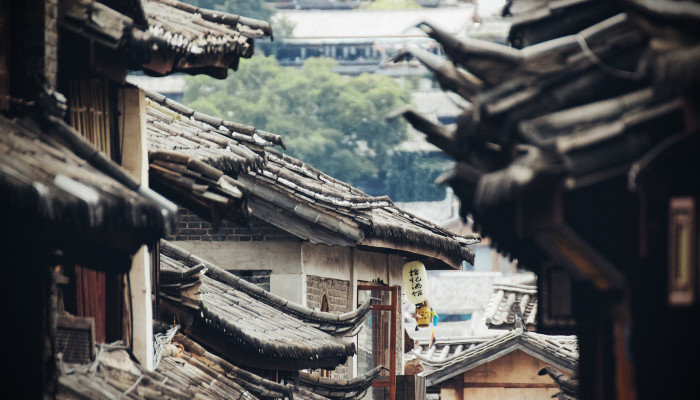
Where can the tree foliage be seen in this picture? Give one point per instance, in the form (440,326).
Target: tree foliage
(333,122)
(412,176)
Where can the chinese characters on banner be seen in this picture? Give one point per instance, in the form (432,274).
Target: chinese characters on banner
(416,285)
(415,280)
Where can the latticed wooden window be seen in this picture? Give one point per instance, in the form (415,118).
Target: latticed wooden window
(90,112)
(99,295)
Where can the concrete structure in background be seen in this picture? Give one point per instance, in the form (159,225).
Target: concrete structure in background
(364,40)
(172,86)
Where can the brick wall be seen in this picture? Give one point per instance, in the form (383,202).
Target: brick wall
(189,226)
(258,277)
(339,298)
(337,292)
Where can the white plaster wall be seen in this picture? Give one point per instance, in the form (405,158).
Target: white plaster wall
(396,270)
(370,266)
(279,257)
(290,286)
(287,278)
(327,261)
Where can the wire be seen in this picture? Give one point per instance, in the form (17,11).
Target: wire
(159,342)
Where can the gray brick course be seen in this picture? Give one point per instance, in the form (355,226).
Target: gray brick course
(191,227)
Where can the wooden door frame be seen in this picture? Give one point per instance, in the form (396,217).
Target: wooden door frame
(392,308)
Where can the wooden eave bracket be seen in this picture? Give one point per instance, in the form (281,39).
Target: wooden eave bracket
(568,249)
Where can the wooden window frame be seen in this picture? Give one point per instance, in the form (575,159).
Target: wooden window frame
(392,308)
(682,215)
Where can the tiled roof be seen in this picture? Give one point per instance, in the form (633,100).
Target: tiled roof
(500,312)
(555,18)
(293,195)
(560,351)
(446,348)
(569,386)
(185,371)
(460,292)
(51,177)
(339,389)
(254,384)
(257,328)
(189,153)
(577,106)
(178,37)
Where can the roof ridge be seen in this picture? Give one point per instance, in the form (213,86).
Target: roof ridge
(335,387)
(236,129)
(333,212)
(349,320)
(516,287)
(219,17)
(508,339)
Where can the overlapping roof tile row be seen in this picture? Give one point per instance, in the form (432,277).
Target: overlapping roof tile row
(293,195)
(501,313)
(259,327)
(172,36)
(560,351)
(582,94)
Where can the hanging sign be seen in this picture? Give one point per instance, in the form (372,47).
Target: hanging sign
(415,282)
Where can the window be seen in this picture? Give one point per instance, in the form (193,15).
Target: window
(681,251)
(555,311)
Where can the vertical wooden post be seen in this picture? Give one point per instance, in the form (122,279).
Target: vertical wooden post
(459,387)
(132,127)
(410,387)
(392,341)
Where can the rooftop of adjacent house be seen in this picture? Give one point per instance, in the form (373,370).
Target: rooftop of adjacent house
(501,312)
(446,347)
(251,325)
(185,370)
(464,291)
(50,176)
(340,389)
(178,37)
(371,24)
(460,298)
(288,193)
(559,351)
(568,385)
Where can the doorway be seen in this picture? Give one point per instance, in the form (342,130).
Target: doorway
(376,342)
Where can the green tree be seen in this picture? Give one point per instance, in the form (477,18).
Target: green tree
(333,122)
(412,176)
